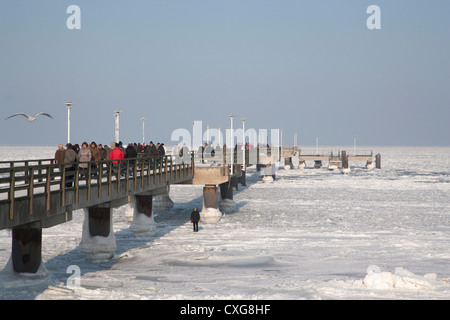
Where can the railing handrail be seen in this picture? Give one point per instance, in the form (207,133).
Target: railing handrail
(335,152)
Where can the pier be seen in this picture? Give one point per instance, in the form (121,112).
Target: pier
(38,194)
(340,159)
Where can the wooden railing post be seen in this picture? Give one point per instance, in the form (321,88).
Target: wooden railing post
(11,192)
(127,175)
(88,182)
(63,186)
(100,178)
(165,168)
(31,191)
(77,182)
(47,189)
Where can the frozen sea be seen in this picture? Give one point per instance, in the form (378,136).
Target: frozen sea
(310,234)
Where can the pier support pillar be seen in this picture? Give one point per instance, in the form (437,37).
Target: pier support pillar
(210,211)
(295,162)
(287,163)
(163,202)
(26,253)
(143,224)
(378,161)
(226,197)
(242,178)
(269,173)
(344,158)
(260,169)
(302,164)
(98,241)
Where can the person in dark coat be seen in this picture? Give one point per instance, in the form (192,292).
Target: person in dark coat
(131,153)
(195,217)
(151,151)
(70,157)
(160,150)
(102,151)
(59,154)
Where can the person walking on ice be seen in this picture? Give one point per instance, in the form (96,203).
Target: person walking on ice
(195,217)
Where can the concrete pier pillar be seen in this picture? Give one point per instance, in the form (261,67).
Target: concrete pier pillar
(143,224)
(163,202)
(378,161)
(242,178)
(26,252)
(317,164)
(260,169)
(344,159)
(226,197)
(302,164)
(99,221)
(269,173)
(287,163)
(98,241)
(295,162)
(345,167)
(210,211)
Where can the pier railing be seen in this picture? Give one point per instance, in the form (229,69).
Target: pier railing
(335,152)
(25,181)
(253,155)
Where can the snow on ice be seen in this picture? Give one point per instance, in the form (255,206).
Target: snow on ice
(309,234)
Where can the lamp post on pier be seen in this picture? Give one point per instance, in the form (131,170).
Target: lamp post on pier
(69,107)
(281,145)
(232,144)
(143,129)
(117,116)
(192,145)
(243,144)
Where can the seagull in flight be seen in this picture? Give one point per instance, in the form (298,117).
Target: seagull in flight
(30,118)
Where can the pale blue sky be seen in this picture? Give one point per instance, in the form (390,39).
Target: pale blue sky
(311,67)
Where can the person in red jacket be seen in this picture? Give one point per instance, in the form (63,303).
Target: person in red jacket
(116,154)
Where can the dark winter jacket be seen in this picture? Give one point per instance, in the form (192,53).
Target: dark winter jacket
(131,154)
(151,151)
(59,156)
(103,153)
(70,156)
(160,151)
(195,216)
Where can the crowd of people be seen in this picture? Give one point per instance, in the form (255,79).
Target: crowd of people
(73,153)
(113,151)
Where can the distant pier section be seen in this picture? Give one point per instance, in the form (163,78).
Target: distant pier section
(339,159)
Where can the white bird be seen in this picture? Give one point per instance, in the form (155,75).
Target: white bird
(30,118)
